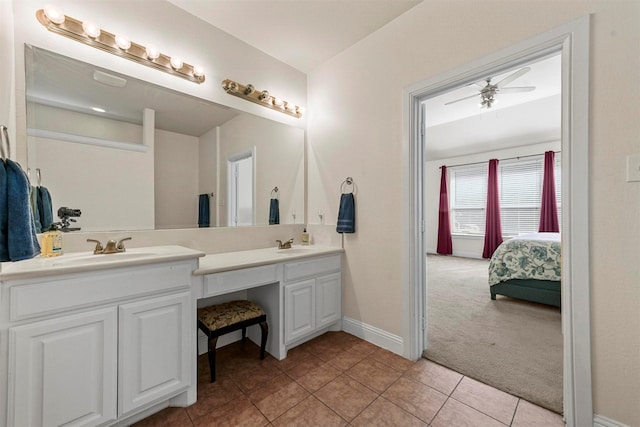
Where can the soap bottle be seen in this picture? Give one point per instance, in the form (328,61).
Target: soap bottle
(51,244)
(305,238)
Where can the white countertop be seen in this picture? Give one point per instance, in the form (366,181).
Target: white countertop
(227,261)
(78,262)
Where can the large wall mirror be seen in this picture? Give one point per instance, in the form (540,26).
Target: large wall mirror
(136,156)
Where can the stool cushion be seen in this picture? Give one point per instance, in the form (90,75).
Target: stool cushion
(220,315)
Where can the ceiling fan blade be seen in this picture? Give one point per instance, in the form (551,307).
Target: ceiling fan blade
(513,76)
(462,99)
(517,89)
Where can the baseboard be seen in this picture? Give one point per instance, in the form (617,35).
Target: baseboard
(374,335)
(600,421)
(461,254)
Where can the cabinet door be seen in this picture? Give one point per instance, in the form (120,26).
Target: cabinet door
(299,304)
(328,300)
(64,370)
(154,354)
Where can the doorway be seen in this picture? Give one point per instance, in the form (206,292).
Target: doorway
(572,41)
(240,179)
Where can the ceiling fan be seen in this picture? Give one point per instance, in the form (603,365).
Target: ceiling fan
(489,91)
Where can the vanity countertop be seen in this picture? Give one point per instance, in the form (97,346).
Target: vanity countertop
(79,262)
(227,261)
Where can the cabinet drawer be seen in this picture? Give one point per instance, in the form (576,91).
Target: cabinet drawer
(237,280)
(312,267)
(39,299)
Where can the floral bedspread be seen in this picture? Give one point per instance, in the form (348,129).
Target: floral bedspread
(534,256)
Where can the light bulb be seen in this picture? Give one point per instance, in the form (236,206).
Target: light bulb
(176,62)
(290,106)
(123,42)
(198,71)
(91,29)
(278,102)
(53,14)
(152,52)
(264,96)
(300,110)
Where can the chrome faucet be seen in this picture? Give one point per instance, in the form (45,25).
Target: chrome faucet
(285,245)
(111,248)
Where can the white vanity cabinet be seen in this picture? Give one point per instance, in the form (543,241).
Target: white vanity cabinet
(312,296)
(64,370)
(97,347)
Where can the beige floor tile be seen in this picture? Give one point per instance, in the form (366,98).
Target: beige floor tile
(391,359)
(375,375)
(212,396)
(345,360)
(436,376)
(346,396)
(416,398)
(251,379)
(486,399)
(385,414)
(176,417)
(238,412)
(309,412)
(281,401)
(456,414)
(364,348)
(530,415)
(269,388)
(318,377)
(304,367)
(294,357)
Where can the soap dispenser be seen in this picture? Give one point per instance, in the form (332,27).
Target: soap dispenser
(51,244)
(305,237)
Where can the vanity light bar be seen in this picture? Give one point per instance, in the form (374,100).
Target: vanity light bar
(92,35)
(263,98)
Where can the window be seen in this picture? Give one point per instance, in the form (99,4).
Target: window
(520,183)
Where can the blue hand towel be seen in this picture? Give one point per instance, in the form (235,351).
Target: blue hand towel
(347,214)
(22,241)
(45,208)
(274,212)
(33,195)
(203,210)
(4,215)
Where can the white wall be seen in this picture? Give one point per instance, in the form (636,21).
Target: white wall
(355,129)
(208,171)
(275,144)
(176,180)
(466,246)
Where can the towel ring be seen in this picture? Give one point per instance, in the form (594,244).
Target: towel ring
(4,138)
(275,190)
(346,183)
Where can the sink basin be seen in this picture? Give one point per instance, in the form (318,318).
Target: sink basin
(294,251)
(91,259)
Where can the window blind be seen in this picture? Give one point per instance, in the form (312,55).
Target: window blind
(520,183)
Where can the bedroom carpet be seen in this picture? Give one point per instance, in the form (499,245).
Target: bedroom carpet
(513,345)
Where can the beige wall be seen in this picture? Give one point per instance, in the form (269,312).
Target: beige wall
(279,152)
(176,180)
(208,170)
(355,129)
(7,82)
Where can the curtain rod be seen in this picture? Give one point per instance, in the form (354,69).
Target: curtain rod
(501,160)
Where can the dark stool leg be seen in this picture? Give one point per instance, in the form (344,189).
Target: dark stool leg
(212,357)
(263,341)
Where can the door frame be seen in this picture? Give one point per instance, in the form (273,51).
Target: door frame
(231,160)
(572,40)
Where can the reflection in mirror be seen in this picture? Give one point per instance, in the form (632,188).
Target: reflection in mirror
(133,156)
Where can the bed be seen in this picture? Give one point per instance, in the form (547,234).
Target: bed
(527,267)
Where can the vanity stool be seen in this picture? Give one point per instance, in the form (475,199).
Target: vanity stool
(221,319)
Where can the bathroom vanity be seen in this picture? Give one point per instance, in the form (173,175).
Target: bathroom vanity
(108,339)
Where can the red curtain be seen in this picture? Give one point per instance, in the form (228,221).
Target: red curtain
(549,208)
(445,247)
(493,228)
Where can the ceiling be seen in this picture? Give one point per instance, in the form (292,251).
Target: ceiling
(302,34)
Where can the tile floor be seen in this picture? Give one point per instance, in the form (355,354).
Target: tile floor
(339,380)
